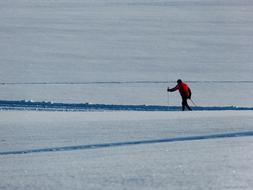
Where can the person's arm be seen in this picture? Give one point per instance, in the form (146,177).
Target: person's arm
(173,89)
(190,93)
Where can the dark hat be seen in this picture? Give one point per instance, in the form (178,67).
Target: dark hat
(179,81)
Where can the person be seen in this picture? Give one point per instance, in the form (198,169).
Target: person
(184,91)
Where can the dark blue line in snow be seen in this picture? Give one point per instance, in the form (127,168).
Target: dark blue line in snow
(119,144)
(49,106)
(114,82)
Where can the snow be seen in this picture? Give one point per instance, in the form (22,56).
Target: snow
(204,93)
(83,94)
(222,163)
(129,40)
(28,105)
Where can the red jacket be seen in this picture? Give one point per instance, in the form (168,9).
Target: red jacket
(184,90)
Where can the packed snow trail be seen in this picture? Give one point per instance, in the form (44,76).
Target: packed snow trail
(49,106)
(117,144)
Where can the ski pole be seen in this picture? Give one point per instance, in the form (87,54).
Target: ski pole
(168,94)
(168,99)
(193,102)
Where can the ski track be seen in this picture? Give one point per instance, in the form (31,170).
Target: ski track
(129,143)
(49,106)
(114,82)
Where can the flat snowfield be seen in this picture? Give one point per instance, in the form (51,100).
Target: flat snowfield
(126,150)
(98,71)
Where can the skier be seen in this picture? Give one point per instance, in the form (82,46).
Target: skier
(185,93)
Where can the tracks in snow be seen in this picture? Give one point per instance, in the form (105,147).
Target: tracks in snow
(129,143)
(116,82)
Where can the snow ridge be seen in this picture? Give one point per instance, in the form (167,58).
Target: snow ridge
(50,106)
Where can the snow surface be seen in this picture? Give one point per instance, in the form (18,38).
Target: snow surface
(88,65)
(214,163)
(143,93)
(50,106)
(61,51)
(127,40)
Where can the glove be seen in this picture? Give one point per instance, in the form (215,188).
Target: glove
(168,89)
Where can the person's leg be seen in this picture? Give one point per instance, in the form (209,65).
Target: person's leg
(184,102)
(188,107)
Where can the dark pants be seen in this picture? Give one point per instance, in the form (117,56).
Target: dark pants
(185,104)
